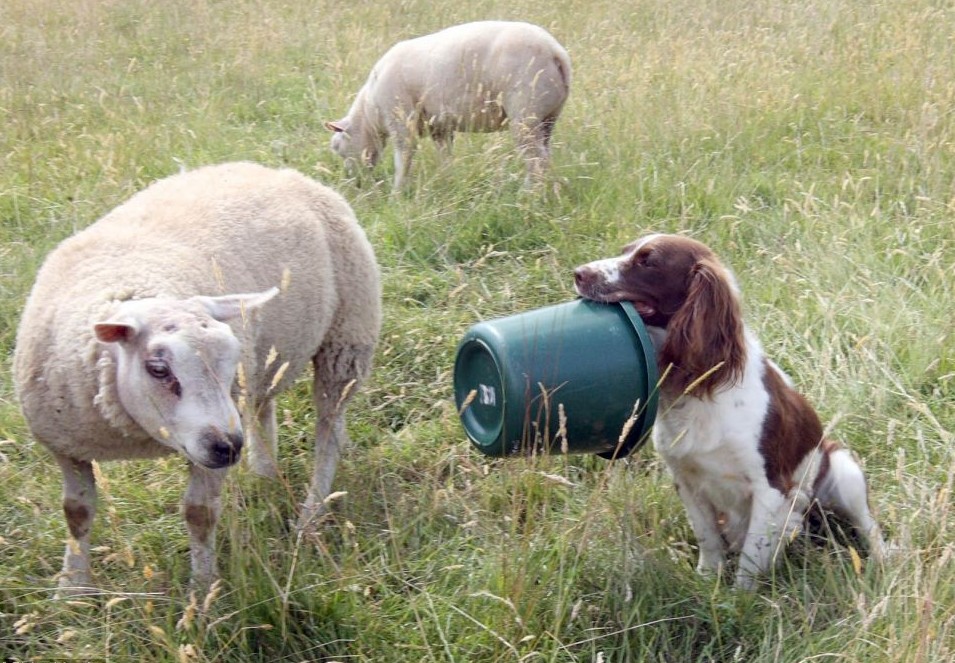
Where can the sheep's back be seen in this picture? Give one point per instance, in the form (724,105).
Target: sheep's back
(458,71)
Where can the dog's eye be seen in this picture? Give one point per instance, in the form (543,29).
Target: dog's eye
(643,259)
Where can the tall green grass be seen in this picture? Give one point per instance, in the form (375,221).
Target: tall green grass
(809,143)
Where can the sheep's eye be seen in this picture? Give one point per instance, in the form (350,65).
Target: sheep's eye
(158,369)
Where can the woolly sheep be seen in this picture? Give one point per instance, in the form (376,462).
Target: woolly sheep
(474,77)
(123,350)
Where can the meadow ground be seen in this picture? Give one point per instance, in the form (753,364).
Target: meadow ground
(812,144)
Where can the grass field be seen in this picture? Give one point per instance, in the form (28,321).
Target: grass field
(812,144)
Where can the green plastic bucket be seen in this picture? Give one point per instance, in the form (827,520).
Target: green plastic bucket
(578,378)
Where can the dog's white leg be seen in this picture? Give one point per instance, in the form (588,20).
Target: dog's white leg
(201,508)
(703,519)
(79,507)
(770,516)
(844,490)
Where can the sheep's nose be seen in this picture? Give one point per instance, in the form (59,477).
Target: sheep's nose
(224,448)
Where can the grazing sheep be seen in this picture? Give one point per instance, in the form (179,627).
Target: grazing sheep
(123,351)
(473,77)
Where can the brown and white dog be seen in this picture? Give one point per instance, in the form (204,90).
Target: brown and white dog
(747,452)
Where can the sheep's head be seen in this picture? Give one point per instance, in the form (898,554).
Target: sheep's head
(352,143)
(176,360)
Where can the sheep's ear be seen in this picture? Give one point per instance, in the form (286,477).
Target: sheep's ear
(227,307)
(116,331)
(338,126)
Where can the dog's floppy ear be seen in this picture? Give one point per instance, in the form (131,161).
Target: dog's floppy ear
(705,341)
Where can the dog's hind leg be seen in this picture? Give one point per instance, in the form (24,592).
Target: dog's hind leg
(843,489)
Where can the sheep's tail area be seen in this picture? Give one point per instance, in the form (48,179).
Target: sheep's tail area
(562,65)
(563,68)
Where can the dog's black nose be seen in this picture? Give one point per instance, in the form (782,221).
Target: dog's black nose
(581,275)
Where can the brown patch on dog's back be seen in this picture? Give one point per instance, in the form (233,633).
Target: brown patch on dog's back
(791,430)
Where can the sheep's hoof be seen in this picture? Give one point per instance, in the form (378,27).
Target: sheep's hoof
(311,517)
(205,585)
(72,588)
(261,458)
(264,467)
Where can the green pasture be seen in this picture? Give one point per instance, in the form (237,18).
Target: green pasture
(811,144)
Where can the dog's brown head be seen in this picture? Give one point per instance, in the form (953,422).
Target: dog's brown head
(677,283)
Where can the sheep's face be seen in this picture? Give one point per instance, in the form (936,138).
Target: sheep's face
(176,361)
(353,145)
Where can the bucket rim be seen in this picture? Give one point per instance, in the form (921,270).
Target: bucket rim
(486,439)
(639,435)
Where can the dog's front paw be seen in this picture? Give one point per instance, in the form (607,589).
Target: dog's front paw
(745,581)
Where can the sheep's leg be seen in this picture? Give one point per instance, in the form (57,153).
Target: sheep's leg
(201,508)
(533,143)
(444,141)
(404,153)
(338,374)
(262,436)
(330,439)
(79,507)
(404,130)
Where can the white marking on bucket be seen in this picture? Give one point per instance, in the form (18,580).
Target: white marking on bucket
(488,395)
